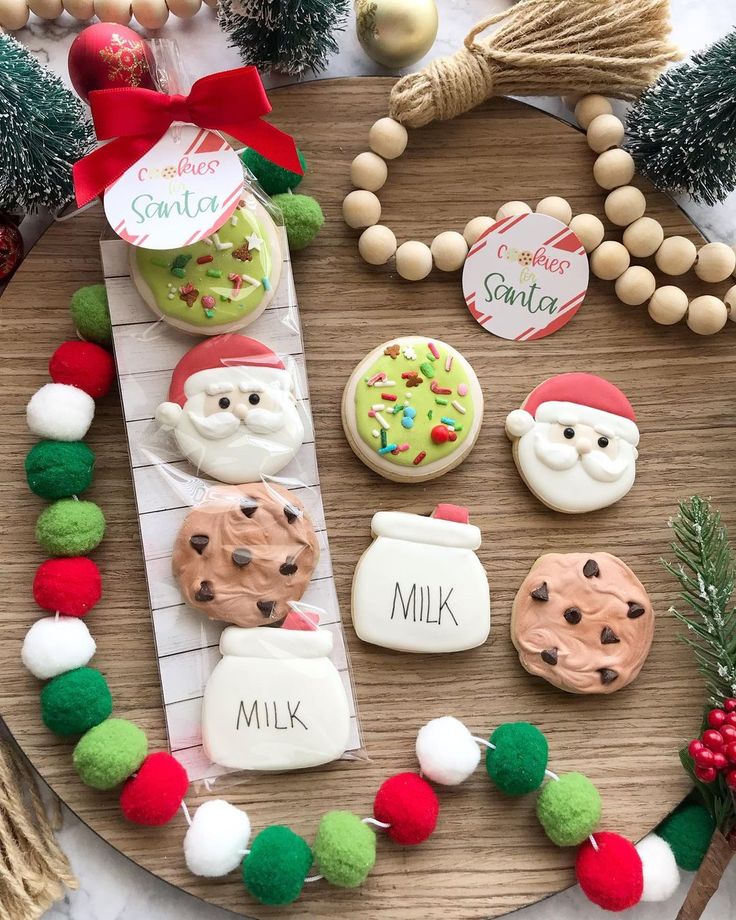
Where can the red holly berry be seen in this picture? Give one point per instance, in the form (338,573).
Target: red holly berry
(708,774)
(730,751)
(716,718)
(703,758)
(729,704)
(728,732)
(695,745)
(731,779)
(713,739)
(731,718)
(719,761)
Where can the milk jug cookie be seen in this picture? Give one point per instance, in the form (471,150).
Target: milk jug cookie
(419,587)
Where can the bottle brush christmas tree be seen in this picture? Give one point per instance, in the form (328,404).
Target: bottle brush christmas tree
(682,130)
(289,36)
(44,129)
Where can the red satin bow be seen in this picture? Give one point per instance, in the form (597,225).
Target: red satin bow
(232,101)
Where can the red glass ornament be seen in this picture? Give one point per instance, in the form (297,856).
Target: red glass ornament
(728,732)
(695,745)
(716,718)
(719,761)
(712,739)
(731,779)
(11,249)
(704,758)
(729,704)
(107,55)
(706,774)
(730,751)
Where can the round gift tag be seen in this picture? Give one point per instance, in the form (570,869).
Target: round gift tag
(181,191)
(525,277)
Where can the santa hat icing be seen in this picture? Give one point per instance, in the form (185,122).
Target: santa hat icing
(576,399)
(222,359)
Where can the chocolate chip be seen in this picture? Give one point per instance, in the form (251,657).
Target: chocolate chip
(198,542)
(549,656)
(291,513)
(289,567)
(266,607)
(205,592)
(635,610)
(248,506)
(590,569)
(573,615)
(242,556)
(541,593)
(608,636)
(608,675)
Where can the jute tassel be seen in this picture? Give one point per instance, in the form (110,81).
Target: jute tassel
(34,872)
(543,48)
(705,884)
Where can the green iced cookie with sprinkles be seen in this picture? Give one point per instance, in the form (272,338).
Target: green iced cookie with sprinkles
(412,409)
(219,284)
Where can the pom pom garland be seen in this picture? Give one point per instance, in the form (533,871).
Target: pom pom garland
(688,831)
(70,585)
(75,701)
(273,179)
(109,753)
(660,872)
(54,645)
(516,759)
(303,218)
(446,751)
(217,839)
(91,314)
(59,469)
(609,871)
(569,809)
(409,806)
(60,412)
(70,528)
(344,849)
(277,865)
(154,795)
(84,365)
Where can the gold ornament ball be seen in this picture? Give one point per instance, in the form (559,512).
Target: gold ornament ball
(396,33)
(706,315)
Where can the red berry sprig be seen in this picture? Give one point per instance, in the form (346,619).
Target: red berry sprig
(715,751)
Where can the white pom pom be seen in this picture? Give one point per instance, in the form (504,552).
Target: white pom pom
(661,875)
(446,751)
(518,423)
(214,843)
(168,414)
(54,645)
(60,412)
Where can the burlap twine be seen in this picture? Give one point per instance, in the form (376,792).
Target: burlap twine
(543,48)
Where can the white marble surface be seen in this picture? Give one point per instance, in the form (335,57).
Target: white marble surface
(112,888)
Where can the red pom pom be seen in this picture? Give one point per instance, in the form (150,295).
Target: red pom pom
(70,586)
(409,804)
(154,795)
(612,876)
(84,365)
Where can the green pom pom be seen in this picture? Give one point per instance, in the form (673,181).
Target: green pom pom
(109,753)
(70,528)
(344,849)
(518,763)
(75,701)
(569,809)
(303,218)
(688,830)
(278,862)
(58,469)
(273,179)
(91,315)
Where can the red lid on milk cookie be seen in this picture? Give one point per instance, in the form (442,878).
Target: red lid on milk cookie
(456,513)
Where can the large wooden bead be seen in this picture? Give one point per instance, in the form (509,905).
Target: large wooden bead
(13,14)
(644,237)
(413,260)
(46,9)
(625,205)
(706,315)
(360,209)
(449,250)
(668,305)
(636,285)
(614,168)
(554,206)
(367,171)
(513,209)
(609,260)
(730,301)
(184,9)
(715,262)
(590,107)
(676,255)
(377,244)
(80,9)
(605,132)
(388,138)
(151,14)
(589,230)
(476,227)
(118,11)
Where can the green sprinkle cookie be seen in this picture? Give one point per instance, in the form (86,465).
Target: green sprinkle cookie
(412,410)
(219,284)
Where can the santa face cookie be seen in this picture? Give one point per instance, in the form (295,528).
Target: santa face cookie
(245,554)
(582,621)
(574,442)
(412,409)
(219,284)
(232,409)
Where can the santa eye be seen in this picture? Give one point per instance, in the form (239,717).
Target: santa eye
(569,433)
(603,443)
(224,403)
(254,399)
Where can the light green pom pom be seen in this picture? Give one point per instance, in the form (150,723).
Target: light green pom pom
(75,701)
(569,809)
(278,862)
(109,753)
(344,849)
(273,179)
(70,528)
(303,218)
(91,314)
(58,469)
(517,763)
(688,831)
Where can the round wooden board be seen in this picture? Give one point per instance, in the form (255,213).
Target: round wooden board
(488,855)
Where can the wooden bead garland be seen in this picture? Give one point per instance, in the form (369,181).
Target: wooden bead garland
(151,14)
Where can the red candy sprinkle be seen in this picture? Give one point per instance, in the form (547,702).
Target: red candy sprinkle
(716,718)
(419,457)
(695,745)
(731,779)
(391,397)
(440,391)
(713,739)
(203,260)
(707,774)
(440,434)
